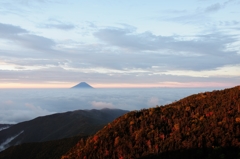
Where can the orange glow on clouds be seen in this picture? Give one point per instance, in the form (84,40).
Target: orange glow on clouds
(32,85)
(163,84)
(117,85)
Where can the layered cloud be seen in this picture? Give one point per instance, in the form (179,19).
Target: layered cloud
(63,48)
(201,52)
(122,54)
(57,24)
(19,36)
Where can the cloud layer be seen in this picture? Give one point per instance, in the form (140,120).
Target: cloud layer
(25,104)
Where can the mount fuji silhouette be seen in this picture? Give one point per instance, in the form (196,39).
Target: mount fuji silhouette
(82,85)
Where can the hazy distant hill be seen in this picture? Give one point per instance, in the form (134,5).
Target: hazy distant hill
(58,126)
(82,85)
(205,125)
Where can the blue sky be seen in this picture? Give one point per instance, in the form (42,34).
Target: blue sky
(56,43)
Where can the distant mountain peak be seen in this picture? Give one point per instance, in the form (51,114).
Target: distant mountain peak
(82,85)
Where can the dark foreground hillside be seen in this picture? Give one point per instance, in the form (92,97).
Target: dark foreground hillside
(43,150)
(58,126)
(205,125)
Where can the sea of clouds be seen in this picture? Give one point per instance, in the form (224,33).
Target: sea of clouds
(17,105)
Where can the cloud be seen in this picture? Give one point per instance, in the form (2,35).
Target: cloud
(36,109)
(23,38)
(100,105)
(153,101)
(198,17)
(16,115)
(174,59)
(3,128)
(214,7)
(31,103)
(7,30)
(4,145)
(56,24)
(127,39)
(171,51)
(35,42)
(121,54)
(190,18)
(8,102)
(18,108)
(60,26)
(217,6)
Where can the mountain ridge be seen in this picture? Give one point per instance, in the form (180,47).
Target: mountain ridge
(203,123)
(58,126)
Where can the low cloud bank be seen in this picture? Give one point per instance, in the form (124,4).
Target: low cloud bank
(4,145)
(3,128)
(21,105)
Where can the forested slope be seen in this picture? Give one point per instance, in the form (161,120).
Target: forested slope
(205,125)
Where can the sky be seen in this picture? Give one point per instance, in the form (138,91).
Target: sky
(120,43)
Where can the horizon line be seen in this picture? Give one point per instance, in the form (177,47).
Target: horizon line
(117,85)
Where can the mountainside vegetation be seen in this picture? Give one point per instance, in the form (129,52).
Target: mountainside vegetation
(204,125)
